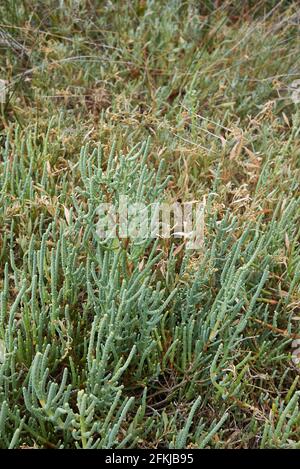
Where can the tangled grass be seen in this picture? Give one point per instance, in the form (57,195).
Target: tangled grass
(119,345)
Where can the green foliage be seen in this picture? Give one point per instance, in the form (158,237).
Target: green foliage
(119,343)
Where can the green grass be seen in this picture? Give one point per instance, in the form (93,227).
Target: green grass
(119,345)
